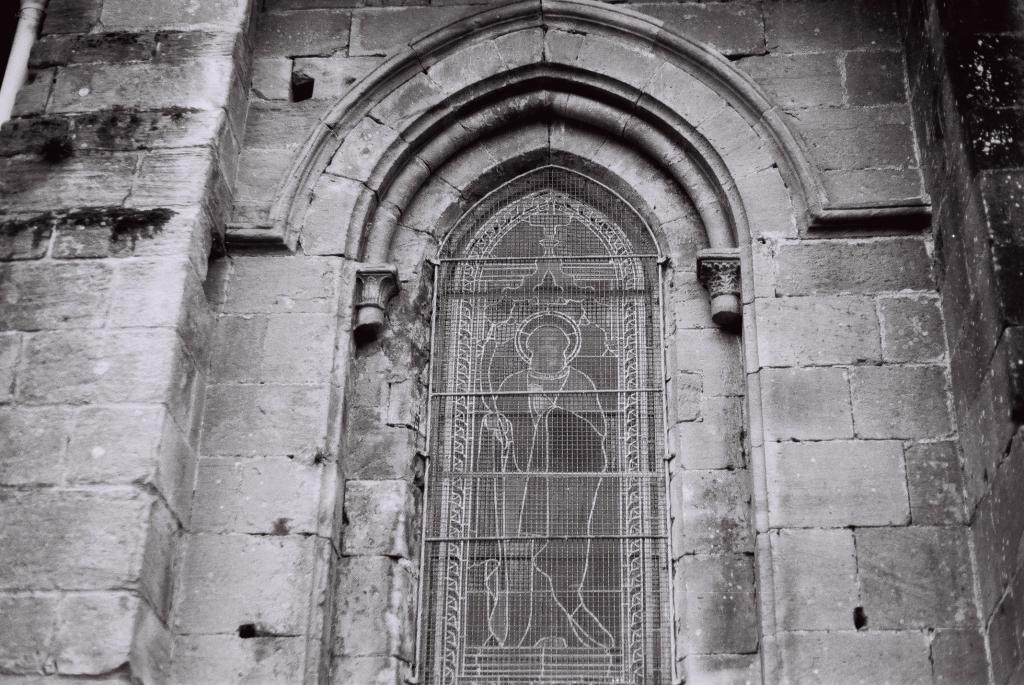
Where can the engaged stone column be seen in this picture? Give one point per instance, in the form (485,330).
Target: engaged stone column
(377,284)
(719,272)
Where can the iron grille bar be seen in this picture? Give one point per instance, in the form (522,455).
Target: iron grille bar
(544,393)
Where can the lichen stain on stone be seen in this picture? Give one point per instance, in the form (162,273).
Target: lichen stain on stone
(41,228)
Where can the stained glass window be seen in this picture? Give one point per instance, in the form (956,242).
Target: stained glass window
(545,550)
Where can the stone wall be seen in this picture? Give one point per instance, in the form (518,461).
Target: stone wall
(965,69)
(207,465)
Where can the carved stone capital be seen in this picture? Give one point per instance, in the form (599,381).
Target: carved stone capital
(375,285)
(719,272)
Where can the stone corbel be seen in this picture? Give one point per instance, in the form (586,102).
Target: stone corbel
(376,284)
(718,270)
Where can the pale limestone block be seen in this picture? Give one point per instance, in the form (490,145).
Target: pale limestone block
(723,669)
(685,94)
(815,574)
(806,331)
(388,30)
(363,147)
(900,402)
(315,31)
(521,48)
(230,580)
(562,47)
(381,518)
(406,103)
(37,296)
(714,442)
(155,14)
(618,60)
(375,607)
(846,658)
(26,632)
(720,609)
(837,483)
(265,420)
(372,670)
(94,634)
(274,348)
(114,444)
(169,178)
(272,78)
(935,483)
(330,215)
(272,495)
(712,512)
(853,266)
(767,201)
(284,285)
(912,329)
(715,355)
(806,404)
(32,450)
(336,75)
(227,659)
(471,64)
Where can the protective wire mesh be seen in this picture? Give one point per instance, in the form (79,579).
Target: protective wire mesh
(545,541)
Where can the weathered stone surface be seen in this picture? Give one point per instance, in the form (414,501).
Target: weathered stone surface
(375,607)
(159,563)
(715,355)
(837,483)
(912,329)
(10,351)
(815,573)
(334,76)
(278,285)
(230,580)
(916,577)
(958,656)
(28,184)
(55,539)
(867,266)
(720,607)
(735,28)
(723,669)
(386,30)
(376,450)
(34,95)
(114,444)
(18,241)
(858,186)
(71,16)
(874,78)
(361,150)
(716,440)
(95,631)
(265,420)
(381,518)
(806,404)
(260,173)
(271,78)
(197,84)
(935,484)
(48,296)
(714,513)
(170,178)
(281,125)
(378,670)
(857,137)
(408,101)
(78,367)
(795,81)
(228,659)
(277,348)
(798,331)
(32,451)
(816,25)
(328,219)
(26,633)
(830,658)
(274,495)
(118,232)
(302,34)
(900,402)
(135,14)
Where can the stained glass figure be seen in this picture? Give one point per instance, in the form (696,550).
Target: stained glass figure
(545,548)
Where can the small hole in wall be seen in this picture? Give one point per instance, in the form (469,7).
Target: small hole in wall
(247,630)
(302,86)
(860,619)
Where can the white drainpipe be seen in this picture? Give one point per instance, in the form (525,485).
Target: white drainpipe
(29,18)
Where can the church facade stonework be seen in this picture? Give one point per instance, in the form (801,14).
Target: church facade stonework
(549,341)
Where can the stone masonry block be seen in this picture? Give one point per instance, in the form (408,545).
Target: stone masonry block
(408,102)
(714,442)
(334,76)
(798,331)
(376,450)
(228,659)
(837,484)
(28,184)
(815,573)
(714,513)
(280,285)
(874,77)
(912,329)
(864,266)
(281,125)
(26,632)
(854,186)
(958,656)
(34,94)
(900,402)
(720,607)
(378,670)
(362,148)
(471,64)
(55,539)
(273,495)
(137,14)
(111,366)
(381,517)
(330,215)
(230,580)
(794,81)
(858,137)
(114,444)
(1004,639)
(71,16)
(816,25)
(265,420)
(521,48)
(387,30)
(935,484)
(276,348)
(272,78)
(32,451)
(48,296)
(723,669)
(806,404)
(375,607)
(831,658)
(302,34)
(715,355)
(10,352)
(734,28)
(172,178)
(95,632)
(916,577)
(21,242)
